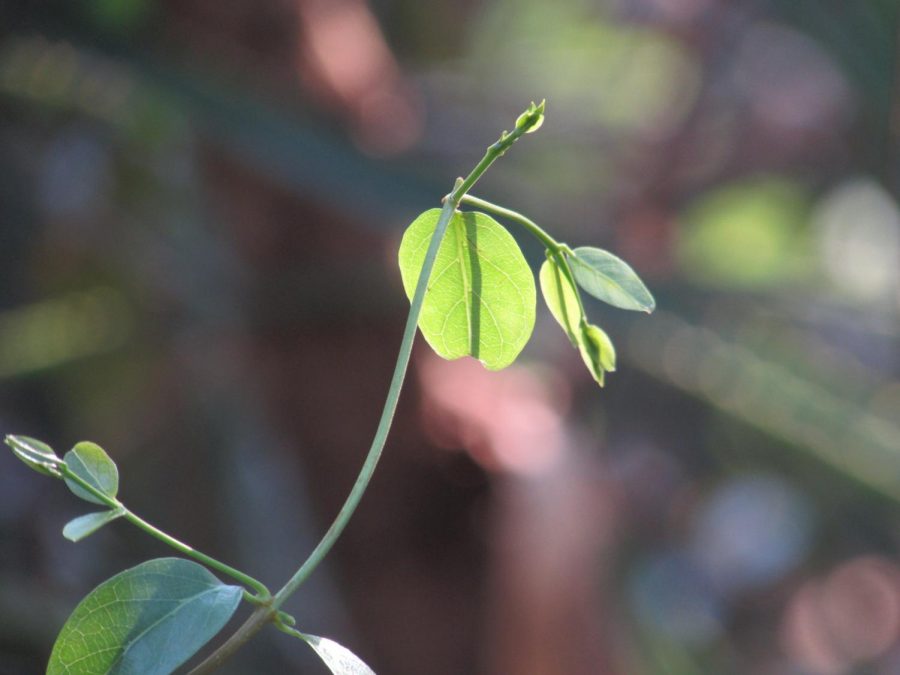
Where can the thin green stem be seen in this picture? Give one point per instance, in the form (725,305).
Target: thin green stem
(265,614)
(558,251)
(290,631)
(562,260)
(262,593)
(531,119)
(254,623)
(549,242)
(384,424)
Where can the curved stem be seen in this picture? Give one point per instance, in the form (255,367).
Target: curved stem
(265,614)
(559,251)
(562,260)
(262,615)
(534,117)
(254,623)
(262,593)
(549,242)
(384,424)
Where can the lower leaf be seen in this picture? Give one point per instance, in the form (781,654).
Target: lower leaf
(84,526)
(339,659)
(147,620)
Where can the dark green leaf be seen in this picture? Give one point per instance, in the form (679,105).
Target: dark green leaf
(90,463)
(481,297)
(147,620)
(610,279)
(339,659)
(84,526)
(37,455)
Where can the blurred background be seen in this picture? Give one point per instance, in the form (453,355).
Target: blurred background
(200,205)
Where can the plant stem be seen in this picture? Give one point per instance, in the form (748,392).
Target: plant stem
(254,623)
(450,205)
(558,251)
(263,615)
(384,424)
(549,242)
(262,593)
(562,260)
(528,121)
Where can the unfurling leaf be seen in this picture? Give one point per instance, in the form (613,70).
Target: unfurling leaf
(610,279)
(89,462)
(147,620)
(36,455)
(84,526)
(480,300)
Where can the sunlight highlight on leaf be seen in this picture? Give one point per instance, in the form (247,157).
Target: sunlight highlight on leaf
(339,659)
(481,296)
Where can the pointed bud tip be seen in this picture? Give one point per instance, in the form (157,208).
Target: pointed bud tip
(532,119)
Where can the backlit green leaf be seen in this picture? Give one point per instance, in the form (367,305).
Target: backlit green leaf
(481,296)
(90,463)
(37,455)
(84,526)
(593,344)
(147,620)
(561,298)
(339,659)
(610,279)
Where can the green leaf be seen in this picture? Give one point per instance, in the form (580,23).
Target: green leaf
(481,297)
(36,455)
(597,351)
(84,526)
(561,297)
(90,463)
(339,659)
(147,620)
(610,279)
(593,344)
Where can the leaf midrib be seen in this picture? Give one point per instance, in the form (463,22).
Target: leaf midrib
(461,241)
